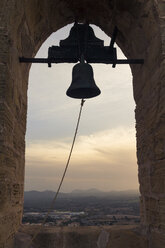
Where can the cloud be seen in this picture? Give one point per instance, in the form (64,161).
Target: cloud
(51,114)
(105,158)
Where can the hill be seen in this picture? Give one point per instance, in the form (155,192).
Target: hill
(79,199)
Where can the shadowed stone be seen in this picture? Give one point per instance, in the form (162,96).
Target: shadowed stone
(24,26)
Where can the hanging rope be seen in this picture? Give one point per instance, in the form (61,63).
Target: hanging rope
(62,179)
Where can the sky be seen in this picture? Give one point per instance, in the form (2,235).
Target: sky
(104,156)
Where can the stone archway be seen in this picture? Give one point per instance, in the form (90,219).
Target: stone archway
(24,27)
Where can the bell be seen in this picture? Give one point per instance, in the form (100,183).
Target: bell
(83,84)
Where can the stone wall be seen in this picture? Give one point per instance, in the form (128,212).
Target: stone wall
(24,26)
(82,237)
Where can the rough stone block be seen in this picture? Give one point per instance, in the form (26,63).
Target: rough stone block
(157,240)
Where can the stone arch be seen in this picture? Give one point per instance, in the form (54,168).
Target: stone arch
(24,27)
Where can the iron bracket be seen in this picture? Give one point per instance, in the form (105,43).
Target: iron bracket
(82,40)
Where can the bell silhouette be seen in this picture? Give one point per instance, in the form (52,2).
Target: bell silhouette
(83,84)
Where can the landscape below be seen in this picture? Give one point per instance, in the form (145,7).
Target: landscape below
(84,219)
(82,208)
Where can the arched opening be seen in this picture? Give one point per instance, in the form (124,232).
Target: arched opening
(105,151)
(104,156)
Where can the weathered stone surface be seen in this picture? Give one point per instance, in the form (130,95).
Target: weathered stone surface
(157,240)
(82,237)
(24,26)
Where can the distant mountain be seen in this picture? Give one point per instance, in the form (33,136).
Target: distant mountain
(42,199)
(88,192)
(79,198)
(99,193)
(38,195)
(47,195)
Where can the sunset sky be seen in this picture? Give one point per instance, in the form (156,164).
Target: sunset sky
(104,156)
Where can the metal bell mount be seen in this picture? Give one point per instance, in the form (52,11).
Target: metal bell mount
(82,45)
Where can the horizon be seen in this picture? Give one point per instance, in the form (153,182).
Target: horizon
(90,189)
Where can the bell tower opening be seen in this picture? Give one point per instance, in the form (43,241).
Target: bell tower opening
(105,152)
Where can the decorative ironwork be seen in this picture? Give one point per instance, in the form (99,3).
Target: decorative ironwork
(82,41)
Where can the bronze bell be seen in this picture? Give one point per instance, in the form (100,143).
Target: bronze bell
(83,84)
